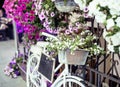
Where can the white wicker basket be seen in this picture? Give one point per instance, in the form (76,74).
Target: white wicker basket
(78,57)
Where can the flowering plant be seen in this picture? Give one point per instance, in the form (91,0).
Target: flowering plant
(108,13)
(76,35)
(75,39)
(12,68)
(35,16)
(22,11)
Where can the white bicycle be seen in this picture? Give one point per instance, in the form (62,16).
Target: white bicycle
(36,79)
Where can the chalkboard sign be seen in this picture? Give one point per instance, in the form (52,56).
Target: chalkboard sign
(46,66)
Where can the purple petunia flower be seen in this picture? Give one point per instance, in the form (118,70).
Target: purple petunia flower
(77,24)
(86,9)
(86,15)
(23,6)
(37,36)
(75,29)
(45,24)
(42,16)
(20,55)
(55,31)
(52,14)
(17,72)
(30,36)
(49,30)
(13,61)
(32,17)
(67,32)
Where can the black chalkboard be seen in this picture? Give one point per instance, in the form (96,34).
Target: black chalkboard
(46,66)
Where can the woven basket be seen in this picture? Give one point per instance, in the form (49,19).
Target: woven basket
(78,57)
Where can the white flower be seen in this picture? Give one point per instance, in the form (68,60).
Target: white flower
(106,37)
(100,17)
(119,48)
(52,0)
(115,39)
(14,75)
(114,12)
(7,73)
(81,3)
(93,7)
(113,4)
(110,48)
(103,3)
(118,21)
(74,17)
(11,70)
(7,68)
(110,23)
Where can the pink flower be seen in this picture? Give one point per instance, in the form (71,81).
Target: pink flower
(86,9)
(70,30)
(23,6)
(36,12)
(39,6)
(24,1)
(45,24)
(32,12)
(26,15)
(42,16)
(37,36)
(67,32)
(47,12)
(32,18)
(75,29)
(77,24)
(86,15)
(11,70)
(70,27)
(55,31)
(49,30)
(30,36)
(52,14)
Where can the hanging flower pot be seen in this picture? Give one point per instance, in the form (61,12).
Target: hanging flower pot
(65,5)
(78,57)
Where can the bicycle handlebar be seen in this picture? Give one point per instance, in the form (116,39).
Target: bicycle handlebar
(49,35)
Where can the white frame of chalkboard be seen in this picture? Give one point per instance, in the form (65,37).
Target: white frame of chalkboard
(52,67)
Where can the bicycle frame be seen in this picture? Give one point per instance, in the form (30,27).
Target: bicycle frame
(65,76)
(64,73)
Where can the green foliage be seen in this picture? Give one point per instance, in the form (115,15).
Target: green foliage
(114,31)
(73,41)
(88,1)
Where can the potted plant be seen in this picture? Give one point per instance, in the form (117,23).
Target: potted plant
(74,45)
(65,5)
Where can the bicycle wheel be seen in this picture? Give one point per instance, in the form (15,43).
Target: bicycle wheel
(34,78)
(70,81)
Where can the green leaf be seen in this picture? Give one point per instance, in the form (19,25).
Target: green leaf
(46,6)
